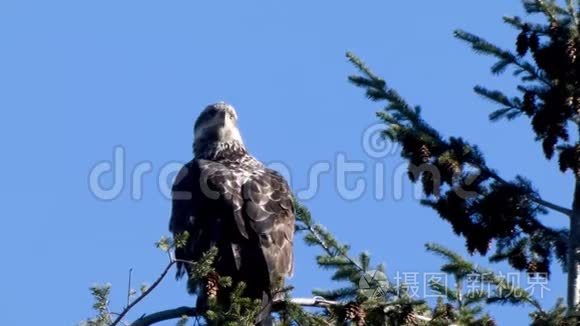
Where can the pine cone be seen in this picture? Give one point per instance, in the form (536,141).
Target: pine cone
(429,184)
(533,267)
(571,51)
(449,311)
(425,153)
(548,145)
(356,313)
(529,105)
(522,43)
(454,167)
(518,260)
(212,285)
(411,320)
(478,240)
(491,322)
(539,266)
(407,316)
(450,169)
(554,29)
(567,159)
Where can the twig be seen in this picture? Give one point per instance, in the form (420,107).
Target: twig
(144,294)
(122,321)
(129,286)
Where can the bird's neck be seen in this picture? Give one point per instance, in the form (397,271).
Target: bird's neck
(216,151)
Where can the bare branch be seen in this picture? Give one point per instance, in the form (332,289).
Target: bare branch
(147,320)
(537,199)
(157,317)
(316,302)
(129,286)
(144,294)
(552,206)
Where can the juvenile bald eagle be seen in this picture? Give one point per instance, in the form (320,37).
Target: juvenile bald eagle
(226,198)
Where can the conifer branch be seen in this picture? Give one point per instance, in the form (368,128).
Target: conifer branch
(147,320)
(319,236)
(519,24)
(403,113)
(457,181)
(315,302)
(572,12)
(329,251)
(389,309)
(479,45)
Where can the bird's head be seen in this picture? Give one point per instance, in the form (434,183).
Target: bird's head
(217,125)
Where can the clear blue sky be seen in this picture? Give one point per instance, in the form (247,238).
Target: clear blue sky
(78,78)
